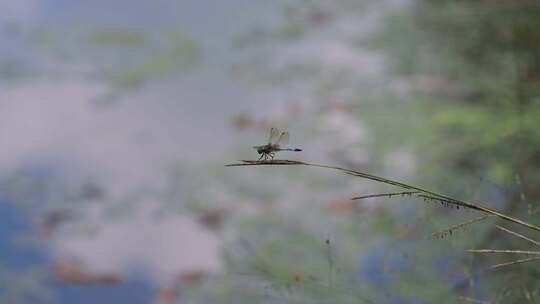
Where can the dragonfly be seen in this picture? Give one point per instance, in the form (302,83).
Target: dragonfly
(275,141)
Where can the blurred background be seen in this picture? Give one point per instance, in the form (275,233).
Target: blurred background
(117,117)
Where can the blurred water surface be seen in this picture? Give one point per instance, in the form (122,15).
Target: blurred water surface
(116,119)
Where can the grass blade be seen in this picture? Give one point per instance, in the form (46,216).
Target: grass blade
(424,192)
(514,262)
(503,251)
(450,230)
(521,236)
(384,195)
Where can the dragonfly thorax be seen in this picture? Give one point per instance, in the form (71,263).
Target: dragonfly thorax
(266,149)
(274,144)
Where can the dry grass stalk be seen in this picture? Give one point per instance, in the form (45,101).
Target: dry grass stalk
(426,194)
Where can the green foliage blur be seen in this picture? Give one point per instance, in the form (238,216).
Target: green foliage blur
(481,63)
(475,68)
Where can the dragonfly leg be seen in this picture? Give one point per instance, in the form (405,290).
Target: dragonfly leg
(272,155)
(262,155)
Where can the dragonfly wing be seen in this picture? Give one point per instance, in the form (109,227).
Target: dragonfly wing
(283,139)
(274,133)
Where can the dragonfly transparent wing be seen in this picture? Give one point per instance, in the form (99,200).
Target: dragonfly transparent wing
(274,133)
(283,139)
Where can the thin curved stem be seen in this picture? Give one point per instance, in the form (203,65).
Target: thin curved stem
(399,184)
